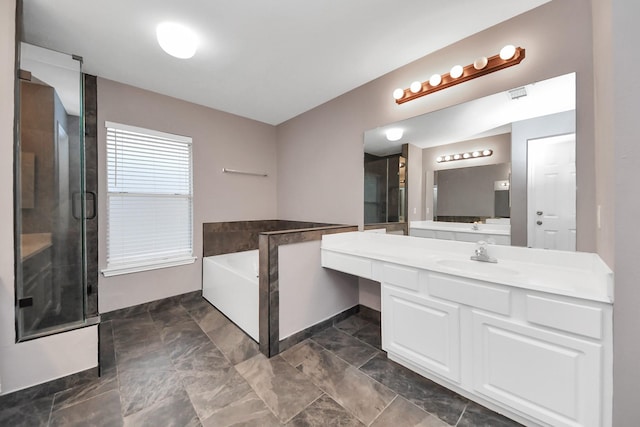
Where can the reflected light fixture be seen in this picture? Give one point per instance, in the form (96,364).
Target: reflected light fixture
(394,134)
(508,57)
(177,40)
(464,156)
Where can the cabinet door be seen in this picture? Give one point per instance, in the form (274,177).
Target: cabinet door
(551,376)
(421,330)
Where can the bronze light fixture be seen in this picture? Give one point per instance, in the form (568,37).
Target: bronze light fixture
(508,57)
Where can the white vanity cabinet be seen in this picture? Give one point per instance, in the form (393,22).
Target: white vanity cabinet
(529,337)
(552,376)
(540,355)
(435,344)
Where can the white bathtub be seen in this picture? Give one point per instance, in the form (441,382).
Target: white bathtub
(230,283)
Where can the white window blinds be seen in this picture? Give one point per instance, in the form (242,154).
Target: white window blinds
(150,192)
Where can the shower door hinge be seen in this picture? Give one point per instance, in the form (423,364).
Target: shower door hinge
(24,75)
(25,302)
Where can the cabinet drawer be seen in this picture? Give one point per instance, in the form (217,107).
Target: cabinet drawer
(347,264)
(401,276)
(575,318)
(469,292)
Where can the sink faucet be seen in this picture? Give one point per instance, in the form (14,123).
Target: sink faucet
(475,225)
(481,253)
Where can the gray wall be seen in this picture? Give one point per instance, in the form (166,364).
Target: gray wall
(220,140)
(557,37)
(622,127)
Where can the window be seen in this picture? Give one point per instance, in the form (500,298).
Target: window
(149,198)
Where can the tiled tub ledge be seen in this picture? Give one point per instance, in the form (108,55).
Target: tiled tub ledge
(272,239)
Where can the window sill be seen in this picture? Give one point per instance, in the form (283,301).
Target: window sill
(136,268)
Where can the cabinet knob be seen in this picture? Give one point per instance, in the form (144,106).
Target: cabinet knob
(539,222)
(539,213)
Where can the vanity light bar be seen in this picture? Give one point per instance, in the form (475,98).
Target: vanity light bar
(464,156)
(508,57)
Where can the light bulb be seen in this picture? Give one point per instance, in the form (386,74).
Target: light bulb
(456,157)
(486,152)
(466,155)
(415,87)
(456,71)
(177,40)
(394,134)
(447,158)
(507,52)
(435,80)
(476,154)
(480,63)
(439,159)
(398,93)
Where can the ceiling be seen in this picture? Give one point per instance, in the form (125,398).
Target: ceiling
(487,116)
(265,60)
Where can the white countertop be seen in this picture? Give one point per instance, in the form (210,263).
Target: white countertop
(497,229)
(577,274)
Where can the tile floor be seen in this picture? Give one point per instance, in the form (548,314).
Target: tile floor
(179,362)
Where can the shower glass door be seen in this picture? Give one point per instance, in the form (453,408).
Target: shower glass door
(50,196)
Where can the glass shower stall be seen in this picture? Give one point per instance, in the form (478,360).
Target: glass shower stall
(52,205)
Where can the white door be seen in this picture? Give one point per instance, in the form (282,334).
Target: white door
(551,215)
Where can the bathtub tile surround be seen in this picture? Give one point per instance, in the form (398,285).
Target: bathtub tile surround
(236,236)
(267,236)
(269,243)
(168,372)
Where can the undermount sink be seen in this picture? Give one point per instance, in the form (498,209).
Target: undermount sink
(477,267)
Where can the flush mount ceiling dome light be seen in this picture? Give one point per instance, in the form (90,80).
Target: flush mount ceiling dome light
(394,134)
(177,40)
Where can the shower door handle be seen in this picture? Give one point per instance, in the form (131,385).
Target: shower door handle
(76,201)
(94,202)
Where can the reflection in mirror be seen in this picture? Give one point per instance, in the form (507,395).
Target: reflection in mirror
(384,188)
(522,127)
(472,194)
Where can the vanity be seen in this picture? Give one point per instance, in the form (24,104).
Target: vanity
(529,336)
(498,233)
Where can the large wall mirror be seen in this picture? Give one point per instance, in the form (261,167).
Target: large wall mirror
(503,162)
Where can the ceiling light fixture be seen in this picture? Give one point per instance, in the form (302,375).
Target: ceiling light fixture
(464,156)
(508,57)
(398,93)
(177,40)
(456,71)
(507,52)
(394,134)
(480,63)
